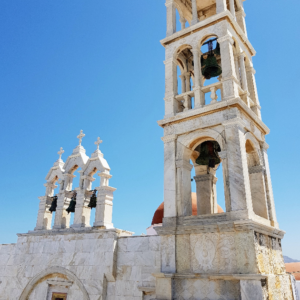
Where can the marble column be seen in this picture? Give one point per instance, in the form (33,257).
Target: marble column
(269,188)
(206,191)
(240,18)
(103,217)
(230,82)
(170,207)
(236,63)
(182,77)
(184,190)
(62,218)
(195,12)
(44,218)
(182,22)
(187,81)
(243,72)
(232,7)
(171,17)
(238,181)
(258,191)
(199,95)
(253,90)
(221,6)
(171,104)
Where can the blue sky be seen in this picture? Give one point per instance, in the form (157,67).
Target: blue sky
(95,65)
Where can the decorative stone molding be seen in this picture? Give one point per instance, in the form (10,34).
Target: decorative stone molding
(226,38)
(264,146)
(62,282)
(169,138)
(49,271)
(241,13)
(222,154)
(205,177)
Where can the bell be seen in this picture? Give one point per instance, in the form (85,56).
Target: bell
(53,204)
(93,200)
(72,205)
(210,67)
(208,154)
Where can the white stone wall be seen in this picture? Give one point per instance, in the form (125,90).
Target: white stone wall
(103,264)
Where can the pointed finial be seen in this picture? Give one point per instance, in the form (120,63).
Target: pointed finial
(80,136)
(60,152)
(98,142)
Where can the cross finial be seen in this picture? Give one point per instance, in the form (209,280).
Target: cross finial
(60,152)
(80,136)
(98,142)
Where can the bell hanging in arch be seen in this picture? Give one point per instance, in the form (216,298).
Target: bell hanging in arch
(93,200)
(72,205)
(53,204)
(208,154)
(210,66)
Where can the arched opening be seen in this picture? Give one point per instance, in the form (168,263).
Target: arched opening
(211,71)
(91,203)
(257,181)
(185,79)
(207,164)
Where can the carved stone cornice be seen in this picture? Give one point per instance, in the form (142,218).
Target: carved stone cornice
(184,164)
(226,38)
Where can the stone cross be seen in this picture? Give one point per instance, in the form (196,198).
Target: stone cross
(98,142)
(80,136)
(60,152)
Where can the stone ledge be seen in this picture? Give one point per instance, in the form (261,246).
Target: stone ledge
(213,276)
(212,108)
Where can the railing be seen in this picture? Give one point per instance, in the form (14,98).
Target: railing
(212,88)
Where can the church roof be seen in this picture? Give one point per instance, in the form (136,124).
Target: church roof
(294,269)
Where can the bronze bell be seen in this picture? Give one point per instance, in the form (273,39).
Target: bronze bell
(53,204)
(208,154)
(210,66)
(72,205)
(93,200)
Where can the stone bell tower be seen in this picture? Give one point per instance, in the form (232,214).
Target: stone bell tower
(236,254)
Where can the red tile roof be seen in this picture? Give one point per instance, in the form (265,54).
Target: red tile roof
(293,268)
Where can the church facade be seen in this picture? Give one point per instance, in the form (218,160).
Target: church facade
(195,250)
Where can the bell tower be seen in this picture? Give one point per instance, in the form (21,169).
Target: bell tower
(212,117)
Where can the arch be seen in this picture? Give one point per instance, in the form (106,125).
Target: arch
(250,136)
(180,49)
(53,270)
(205,38)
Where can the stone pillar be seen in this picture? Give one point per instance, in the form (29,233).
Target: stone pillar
(236,63)
(187,81)
(195,12)
(230,83)
(199,95)
(221,6)
(171,17)
(240,18)
(44,218)
(182,21)
(251,290)
(258,191)
(250,73)
(171,105)
(206,191)
(232,8)
(187,103)
(104,207)
(237,167)
(62,218)
(82,212)
(223,156)
(184,191)
(182,77)
(243,72)
(170,207)
(269,188)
